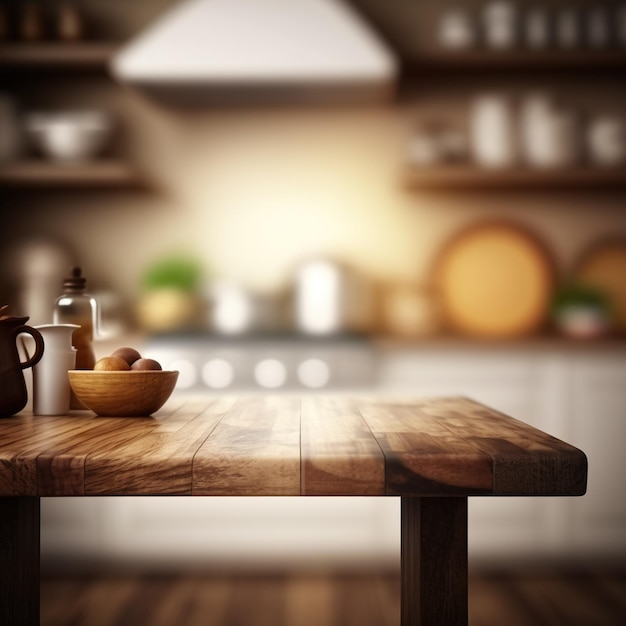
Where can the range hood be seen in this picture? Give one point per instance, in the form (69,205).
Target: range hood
(204,51)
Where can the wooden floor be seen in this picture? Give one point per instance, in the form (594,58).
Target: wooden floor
(545,599)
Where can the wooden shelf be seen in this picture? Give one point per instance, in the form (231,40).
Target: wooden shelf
(460,177)
(52,55)
(487,60)
(105,174)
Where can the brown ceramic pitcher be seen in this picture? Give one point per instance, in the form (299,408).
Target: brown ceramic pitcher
(13,394)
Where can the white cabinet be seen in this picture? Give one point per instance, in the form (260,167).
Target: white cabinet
(510,383)
(575,393)
(598,426)
(212,532)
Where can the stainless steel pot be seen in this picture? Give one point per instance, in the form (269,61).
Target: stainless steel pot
(332,298)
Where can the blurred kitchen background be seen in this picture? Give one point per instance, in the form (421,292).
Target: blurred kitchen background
(431,202)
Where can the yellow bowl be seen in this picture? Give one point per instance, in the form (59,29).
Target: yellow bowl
(123,394)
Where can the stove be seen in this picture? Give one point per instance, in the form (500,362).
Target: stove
(256,363)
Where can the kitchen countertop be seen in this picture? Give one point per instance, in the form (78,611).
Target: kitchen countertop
(288,445)
(432,453)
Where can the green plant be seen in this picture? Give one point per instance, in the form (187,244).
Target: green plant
(178,272)
(578,295)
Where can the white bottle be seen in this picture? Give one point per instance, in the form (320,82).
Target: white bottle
(51,385)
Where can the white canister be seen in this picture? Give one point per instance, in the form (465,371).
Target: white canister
(492,132)
(598,27)
(606,140)
(550,134)
(500,24)
(567,28)
(456,30)
(51,385)
(537,28)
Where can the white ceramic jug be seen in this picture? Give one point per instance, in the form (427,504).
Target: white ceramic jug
(51,385)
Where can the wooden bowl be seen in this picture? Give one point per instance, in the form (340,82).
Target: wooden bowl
(123,394)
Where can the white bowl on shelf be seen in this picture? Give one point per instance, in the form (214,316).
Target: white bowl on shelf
(69,136)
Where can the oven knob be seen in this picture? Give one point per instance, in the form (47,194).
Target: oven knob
(218,373)
(270,373)
(314,373)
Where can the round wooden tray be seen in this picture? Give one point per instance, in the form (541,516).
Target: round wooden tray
(495,280)
(603,266)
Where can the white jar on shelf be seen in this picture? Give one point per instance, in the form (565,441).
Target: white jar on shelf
(550,134)
(606,140)
(500,24)
(492,132)
(567,28)
(536,28)
(456,30)
(598,28)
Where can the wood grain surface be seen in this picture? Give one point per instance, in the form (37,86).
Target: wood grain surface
(288,445)
(339,453)
(253,451)
(588,596)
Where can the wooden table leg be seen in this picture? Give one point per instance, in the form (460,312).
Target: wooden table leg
(19,561)
(434,561)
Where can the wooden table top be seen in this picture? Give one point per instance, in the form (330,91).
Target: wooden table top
(288,445)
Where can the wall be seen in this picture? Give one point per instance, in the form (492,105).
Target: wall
(251,190)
